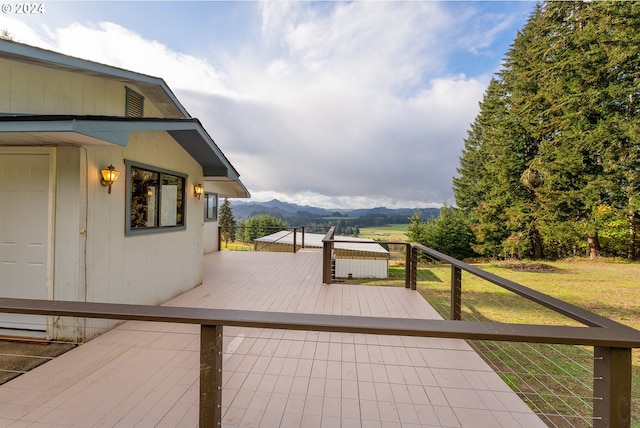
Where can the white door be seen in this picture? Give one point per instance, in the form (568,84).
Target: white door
(24,219)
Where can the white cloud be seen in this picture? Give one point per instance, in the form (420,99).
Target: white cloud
(112,44)
(21,31)
(334,104)
(345,112)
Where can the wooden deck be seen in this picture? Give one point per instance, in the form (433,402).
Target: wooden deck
(146,374)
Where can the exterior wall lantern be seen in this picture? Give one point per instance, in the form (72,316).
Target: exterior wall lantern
(198,191)
(109,176)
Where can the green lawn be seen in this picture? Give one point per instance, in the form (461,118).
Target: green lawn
(236,246)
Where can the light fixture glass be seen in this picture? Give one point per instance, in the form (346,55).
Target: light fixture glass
(198,190)
(109,176)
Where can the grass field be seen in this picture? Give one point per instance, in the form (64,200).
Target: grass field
(550,378)
(561,376)
(393,232)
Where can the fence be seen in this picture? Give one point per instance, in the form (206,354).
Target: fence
(610,401)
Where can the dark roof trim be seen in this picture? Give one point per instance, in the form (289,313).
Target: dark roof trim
(189,133)
(47,58)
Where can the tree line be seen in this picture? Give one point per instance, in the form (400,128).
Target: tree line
(249,229)
(551,164)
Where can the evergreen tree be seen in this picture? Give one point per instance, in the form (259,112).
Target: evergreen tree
(448,233)
(490,184)
(472,192)
(556,142)
(260,225)
(585,159)
(227,222)
(416,230)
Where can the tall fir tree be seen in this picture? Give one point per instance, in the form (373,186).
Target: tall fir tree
(227,222)
(555,149)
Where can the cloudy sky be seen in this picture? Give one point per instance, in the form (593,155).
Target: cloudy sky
(332,104)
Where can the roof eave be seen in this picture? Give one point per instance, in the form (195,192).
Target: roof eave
(189,133)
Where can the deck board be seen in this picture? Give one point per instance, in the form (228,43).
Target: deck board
(146,374)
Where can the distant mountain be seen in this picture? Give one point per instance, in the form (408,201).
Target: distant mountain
(243,209)
(287,211)
(388,211)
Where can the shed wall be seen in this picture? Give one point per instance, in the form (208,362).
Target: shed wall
(361,268)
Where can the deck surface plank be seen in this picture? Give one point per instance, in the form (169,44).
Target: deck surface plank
(145,374)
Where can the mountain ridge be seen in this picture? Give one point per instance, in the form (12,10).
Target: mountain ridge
(245,209)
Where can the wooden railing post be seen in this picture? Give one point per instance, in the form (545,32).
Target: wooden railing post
(456,293)
(327,253)
(210,375)
(408,266)
(414,268)
(326,262)
(219,238)
(295,242)
(611,387)
(302,236)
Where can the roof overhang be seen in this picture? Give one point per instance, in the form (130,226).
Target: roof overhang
(99,130)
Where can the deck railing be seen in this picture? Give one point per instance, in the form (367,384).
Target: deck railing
(612,342)
(247,238)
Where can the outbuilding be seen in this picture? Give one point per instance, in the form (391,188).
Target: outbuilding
(362,258)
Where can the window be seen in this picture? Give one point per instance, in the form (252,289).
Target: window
(210,206)
(155,199)
(134,105)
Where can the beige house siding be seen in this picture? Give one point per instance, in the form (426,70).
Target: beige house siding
(28,88)
(142,269)
(210,228)
(210,237)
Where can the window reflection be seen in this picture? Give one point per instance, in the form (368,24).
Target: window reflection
(210,206)
(157,199)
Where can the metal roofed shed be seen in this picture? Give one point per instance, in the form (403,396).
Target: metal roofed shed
(352,260)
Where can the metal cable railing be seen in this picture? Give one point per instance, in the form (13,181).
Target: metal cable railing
(536,376)
(611,341)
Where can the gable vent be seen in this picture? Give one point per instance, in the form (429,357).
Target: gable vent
(134,106)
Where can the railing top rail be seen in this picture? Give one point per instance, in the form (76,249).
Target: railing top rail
(574,312)
(571,311)
(591,336)
(329,235)
(349,241)
(267,227)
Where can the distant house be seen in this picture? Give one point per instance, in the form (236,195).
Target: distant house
(356,260)
(65,233)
